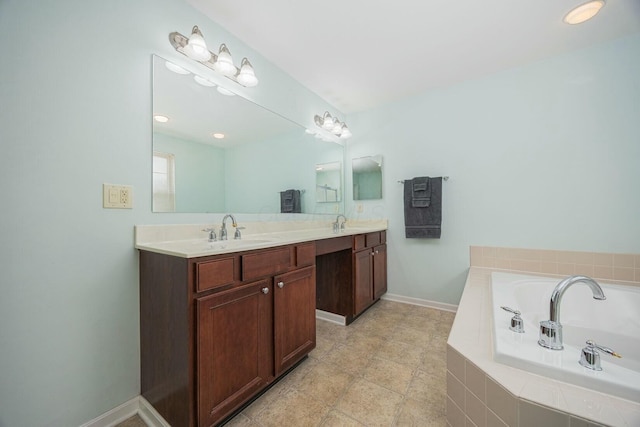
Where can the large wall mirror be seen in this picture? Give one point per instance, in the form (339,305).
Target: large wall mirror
(367,178)
(220,153)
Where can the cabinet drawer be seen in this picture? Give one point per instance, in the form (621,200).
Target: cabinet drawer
(213,274)
(358,242)
(305,254)
(372,239)
(267,263)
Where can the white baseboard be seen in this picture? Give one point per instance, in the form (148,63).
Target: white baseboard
(421,302)
(137,405)
(116,415)
(331,317)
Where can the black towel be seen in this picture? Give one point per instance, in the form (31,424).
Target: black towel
(423,207)
(290,201)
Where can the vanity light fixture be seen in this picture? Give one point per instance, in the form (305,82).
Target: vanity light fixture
(584,12)
(160,118)
(195,48)
(332,125)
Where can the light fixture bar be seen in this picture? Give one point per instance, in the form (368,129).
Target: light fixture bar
(331,125)
(180,42)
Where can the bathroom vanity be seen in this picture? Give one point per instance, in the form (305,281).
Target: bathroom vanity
(219,325)
(352,273)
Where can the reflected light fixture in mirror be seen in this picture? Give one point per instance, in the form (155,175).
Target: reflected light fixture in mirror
(331,125)
(584,12)
(202,81)
(160,118)
(195,48)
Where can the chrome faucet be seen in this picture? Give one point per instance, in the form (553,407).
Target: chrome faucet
(551,330)
(223,229)
(337,226)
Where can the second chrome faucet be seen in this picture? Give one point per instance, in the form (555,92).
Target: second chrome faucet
(223,229)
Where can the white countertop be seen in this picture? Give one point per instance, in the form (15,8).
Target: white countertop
(471,335)
(189,241)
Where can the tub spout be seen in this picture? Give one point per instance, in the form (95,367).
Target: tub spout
(551,330)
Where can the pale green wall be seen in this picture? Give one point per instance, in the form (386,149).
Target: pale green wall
(199,173)
(542,156)
(75,87)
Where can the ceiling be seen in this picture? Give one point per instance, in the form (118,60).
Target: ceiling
(359,54)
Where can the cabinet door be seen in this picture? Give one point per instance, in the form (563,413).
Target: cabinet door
(294,316)
(234,342)
(362,280)
(379,271)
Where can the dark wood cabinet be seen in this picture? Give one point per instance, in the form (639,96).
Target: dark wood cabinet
(362,280)
(369,273)
(379,271)
(215,331)
(234,332)
(294,316)
(351,273)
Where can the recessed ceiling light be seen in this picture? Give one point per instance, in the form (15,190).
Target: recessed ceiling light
(225,91)
(584,12)
(218,135)
(160,118)
(175,68)
(202,81)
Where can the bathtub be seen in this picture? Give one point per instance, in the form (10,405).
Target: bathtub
(614,323)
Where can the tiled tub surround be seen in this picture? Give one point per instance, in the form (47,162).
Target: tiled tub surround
(185,240)
(482,392)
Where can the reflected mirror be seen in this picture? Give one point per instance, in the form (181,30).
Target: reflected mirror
(219,153)
(329,182)
(367,178)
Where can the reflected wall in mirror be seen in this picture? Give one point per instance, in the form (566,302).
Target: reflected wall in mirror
(259,155)
(329,182)
(367,178)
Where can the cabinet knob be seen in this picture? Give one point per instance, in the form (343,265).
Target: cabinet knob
(377,252)
(373,253)
(281,285)
(265,290)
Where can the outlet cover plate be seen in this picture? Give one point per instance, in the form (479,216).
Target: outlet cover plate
(117,196)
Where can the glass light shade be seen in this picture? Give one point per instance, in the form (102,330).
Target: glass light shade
(224,63)
(337,128)
(175,68)
(196,48)
(202,81)
(346,133)
(584,12)
(327,121)
(247,76)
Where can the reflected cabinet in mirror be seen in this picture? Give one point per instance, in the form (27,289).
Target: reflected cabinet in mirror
(367,178)
(219,153)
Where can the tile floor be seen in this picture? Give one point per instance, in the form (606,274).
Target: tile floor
(388,368)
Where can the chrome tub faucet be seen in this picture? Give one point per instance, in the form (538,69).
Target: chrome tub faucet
(551,330)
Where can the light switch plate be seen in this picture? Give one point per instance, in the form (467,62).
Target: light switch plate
(117,196)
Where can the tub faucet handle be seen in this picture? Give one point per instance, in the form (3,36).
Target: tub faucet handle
(517,324)
(590,358)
